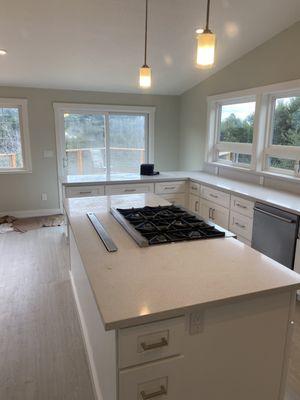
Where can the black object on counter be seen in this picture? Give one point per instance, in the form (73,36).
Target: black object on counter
(148,169)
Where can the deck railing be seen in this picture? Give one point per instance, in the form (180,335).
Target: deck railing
(12,157)
(79,154)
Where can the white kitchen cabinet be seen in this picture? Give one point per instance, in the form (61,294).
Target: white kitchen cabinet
(297,259)
(194,203)
(84,191)
(130,188)
(217,196)
(215,213)
(178,199)
(159,380)
(194,188)
(242,206)
(241,225)
(170,187)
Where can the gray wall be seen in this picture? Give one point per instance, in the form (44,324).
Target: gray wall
(277,60)
(20,192)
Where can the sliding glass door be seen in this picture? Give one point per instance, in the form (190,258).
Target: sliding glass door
(92,142)
(127,142)
(85,144)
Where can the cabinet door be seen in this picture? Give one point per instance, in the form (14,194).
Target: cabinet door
(215,213)
(297,259)
(194,203)
(205,209)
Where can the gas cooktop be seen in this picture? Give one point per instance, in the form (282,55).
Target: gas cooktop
(165,224)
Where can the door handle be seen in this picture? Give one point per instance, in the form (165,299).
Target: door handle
(197,206)
(287,220)
(161,392)
(162,343)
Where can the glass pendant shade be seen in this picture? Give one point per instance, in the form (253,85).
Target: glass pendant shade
(206,43)
(145,77)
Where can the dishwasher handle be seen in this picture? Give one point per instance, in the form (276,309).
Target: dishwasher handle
(287,220)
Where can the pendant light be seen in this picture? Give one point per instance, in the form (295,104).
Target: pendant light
(206,42)
(145,70)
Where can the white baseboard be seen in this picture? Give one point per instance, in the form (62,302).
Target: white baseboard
(31,213)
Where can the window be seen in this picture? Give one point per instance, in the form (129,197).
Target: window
(282,152)
(103,140)
(234,132)
(256,129)
(14,136)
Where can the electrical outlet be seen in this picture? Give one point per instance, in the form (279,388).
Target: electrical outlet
(196,322)
(44,197)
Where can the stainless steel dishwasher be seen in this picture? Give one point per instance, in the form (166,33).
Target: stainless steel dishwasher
(275,233)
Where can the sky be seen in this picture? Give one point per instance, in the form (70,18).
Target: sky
(240,110)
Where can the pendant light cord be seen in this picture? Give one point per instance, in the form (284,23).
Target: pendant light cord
(207,16)
(146,34)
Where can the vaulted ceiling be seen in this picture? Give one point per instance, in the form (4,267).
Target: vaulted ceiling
(98,44)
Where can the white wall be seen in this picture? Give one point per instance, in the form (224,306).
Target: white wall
(20,192)
(277,60)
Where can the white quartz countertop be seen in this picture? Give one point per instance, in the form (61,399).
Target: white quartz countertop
(137,285)
(285,200)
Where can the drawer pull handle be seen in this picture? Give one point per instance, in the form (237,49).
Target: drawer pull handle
(162,343)
(89,192)
(213,196)
(161,392)
(240,225)
(240,205)
(129,190)
(170,187)
(194,188)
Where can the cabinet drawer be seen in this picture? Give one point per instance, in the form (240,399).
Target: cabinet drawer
(218,197)
(242,206)
(150,342)
(241,225)
(129,189)
(84,191)
(160,380)
(170,187)
(194,188)
(215,213)
(177,199)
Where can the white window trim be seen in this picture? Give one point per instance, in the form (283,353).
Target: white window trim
(61,108)
(21,104)
(261,133)
(215,145)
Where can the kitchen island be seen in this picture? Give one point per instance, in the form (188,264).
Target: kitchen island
(207,319)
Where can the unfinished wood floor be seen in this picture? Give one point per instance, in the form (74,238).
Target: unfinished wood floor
(42,355)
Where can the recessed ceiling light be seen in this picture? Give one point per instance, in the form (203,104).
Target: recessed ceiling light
(3,52)
(199,30)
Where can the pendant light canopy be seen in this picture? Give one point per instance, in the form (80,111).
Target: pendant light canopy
(145,70)
(206,43)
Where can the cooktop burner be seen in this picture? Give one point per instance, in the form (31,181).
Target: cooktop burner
(164,224)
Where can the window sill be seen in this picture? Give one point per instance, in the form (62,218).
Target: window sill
(266,174)
(15,171)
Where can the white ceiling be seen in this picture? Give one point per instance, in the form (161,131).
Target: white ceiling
(98,44)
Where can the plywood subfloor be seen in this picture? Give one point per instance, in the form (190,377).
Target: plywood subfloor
(42,354)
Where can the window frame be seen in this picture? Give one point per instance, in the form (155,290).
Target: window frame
(61,108)
(279,151)
(22,106)
(262,148)
(215,107)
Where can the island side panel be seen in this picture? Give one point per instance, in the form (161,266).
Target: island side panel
(241,351)
(100,344)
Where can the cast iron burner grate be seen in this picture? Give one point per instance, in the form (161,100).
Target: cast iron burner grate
(166,224)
